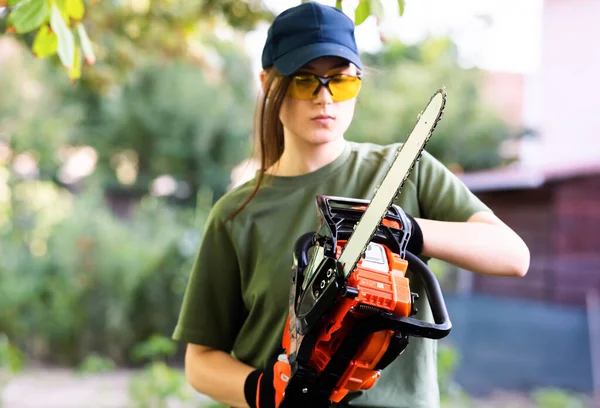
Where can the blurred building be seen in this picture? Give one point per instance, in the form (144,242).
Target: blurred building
(544,329)
(551,196)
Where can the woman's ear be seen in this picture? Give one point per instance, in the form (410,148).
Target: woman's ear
(263,79)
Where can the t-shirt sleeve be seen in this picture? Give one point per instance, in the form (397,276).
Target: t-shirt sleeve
(212,305)
(442,195)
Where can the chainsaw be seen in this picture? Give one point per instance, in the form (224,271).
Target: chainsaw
(350,305)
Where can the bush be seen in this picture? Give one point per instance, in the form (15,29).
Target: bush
(79,280)
(157,385)
(11,362)
(172,119)
(558,398)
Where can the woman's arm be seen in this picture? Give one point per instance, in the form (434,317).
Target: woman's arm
(216,374)
(483,244)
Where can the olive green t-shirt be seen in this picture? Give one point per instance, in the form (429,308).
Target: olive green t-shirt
(237,296)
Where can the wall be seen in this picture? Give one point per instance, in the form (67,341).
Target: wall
(560,223)
(569,85)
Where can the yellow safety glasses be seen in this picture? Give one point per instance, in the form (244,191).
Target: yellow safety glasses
(341,87)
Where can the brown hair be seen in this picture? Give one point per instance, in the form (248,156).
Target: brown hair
(268,129)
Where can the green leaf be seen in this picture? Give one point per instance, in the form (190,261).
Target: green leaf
(86,44)
(13,3)
(28,15)
(45,42)
(75,71)
(10,356)
(362,12)
(66,43)
(75,9)
(376,8)
(401,7)
(338,4)
(62,7)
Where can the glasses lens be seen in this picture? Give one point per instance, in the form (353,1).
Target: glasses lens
(303,86)
(344,87)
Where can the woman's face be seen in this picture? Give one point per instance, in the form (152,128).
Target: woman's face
(319,120)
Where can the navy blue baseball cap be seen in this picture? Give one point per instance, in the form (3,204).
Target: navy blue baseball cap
(303,33)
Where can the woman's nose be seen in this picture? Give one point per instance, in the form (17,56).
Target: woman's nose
(323,96)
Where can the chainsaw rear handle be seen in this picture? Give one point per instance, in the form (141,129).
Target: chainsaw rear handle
(442,325)
(409,326)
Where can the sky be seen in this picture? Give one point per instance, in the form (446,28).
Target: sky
(497,35)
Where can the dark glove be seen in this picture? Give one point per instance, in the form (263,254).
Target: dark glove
(415,243)
(264,388)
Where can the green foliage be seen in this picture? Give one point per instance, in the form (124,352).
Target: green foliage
(79,280)
(28,15)
(363,10)
(439,268)
(241,15)
(63,17)
(447,363)
(129,35)
(175,120)
(158,385)
(11,362)
(122,32)
(397,86)
(95,363)
(401,6)
(11,358)
(31,101)
(367,8)
(558,398)
(155,348)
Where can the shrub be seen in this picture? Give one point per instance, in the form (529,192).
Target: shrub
(80,280)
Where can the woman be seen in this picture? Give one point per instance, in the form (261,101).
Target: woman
(235,304)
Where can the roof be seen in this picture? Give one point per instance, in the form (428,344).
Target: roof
(519,177)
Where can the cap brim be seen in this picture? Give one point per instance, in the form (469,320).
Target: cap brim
(289,63)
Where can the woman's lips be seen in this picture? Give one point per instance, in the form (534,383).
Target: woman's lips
(323,119)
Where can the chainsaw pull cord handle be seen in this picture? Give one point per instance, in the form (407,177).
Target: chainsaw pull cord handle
(433,291)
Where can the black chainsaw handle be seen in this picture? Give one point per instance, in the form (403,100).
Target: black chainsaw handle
(442,326)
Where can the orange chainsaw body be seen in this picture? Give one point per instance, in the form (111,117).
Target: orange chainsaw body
(378,288)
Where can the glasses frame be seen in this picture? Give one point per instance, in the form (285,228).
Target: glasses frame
(324,81)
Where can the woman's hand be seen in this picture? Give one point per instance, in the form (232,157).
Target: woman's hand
(265,388)
(216,374)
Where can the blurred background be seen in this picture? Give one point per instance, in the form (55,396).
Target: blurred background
(108,171)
